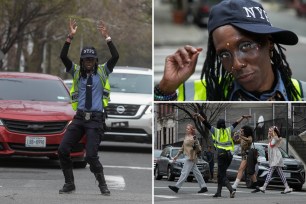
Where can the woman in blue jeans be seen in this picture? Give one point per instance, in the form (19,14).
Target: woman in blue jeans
(190,148)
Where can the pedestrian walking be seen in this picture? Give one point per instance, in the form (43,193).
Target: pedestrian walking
(191,148)
(211,161)
(224,144)
(275,160)
(244,60)
(89,98)
(245,138)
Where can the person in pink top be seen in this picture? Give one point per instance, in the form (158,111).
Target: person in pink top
(275,160)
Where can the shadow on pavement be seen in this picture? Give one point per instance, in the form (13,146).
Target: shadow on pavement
(125,147)
(29,162)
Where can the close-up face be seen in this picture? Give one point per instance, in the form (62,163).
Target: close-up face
(246,57)
(271,131)
(189,129)
(89,63)
(241,132)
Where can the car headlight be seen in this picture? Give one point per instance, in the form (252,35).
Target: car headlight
(149,110)
(1,123)
(301,167)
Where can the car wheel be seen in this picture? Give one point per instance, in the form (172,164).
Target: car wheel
(170,176)
(189,178)
(156,174)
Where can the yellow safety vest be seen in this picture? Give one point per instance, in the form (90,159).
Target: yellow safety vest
(222,138)
(74,91)
(200,91)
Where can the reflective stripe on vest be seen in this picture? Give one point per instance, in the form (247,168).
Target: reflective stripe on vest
(75,86)
(222,139)
(200,90)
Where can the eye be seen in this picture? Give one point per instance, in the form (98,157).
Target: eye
(224,55)
(246,46)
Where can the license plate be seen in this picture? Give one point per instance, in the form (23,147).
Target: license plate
(287,175)
(35,141)
(119,124)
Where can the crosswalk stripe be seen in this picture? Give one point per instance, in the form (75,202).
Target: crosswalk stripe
(129,167)
(115,182)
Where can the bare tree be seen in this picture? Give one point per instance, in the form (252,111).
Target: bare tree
(211,111)
(19,19)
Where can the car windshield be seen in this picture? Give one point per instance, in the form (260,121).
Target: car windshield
(130,83)
(174,152)
(33,90)
(157,153)
(262,149)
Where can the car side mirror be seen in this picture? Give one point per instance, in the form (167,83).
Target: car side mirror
(291,156)
(168,156)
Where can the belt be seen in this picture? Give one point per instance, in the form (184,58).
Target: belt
(87,115)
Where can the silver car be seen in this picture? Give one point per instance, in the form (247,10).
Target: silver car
(293,168)
(130,107)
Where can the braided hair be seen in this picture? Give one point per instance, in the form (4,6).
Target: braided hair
(218,79)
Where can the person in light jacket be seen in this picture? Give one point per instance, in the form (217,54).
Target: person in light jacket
(275,160)
(190,148)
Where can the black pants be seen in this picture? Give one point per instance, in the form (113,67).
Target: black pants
(75,132)
(224,160)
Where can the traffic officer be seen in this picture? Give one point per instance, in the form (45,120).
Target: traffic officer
(223,143)
(90,81)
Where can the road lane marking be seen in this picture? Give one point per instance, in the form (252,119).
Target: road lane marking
(165,196)
(129,167)
(115,182)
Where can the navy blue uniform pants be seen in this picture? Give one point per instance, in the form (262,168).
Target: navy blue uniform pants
(74,134)
(224,160)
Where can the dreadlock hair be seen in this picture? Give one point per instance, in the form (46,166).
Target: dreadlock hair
(221,124)
(279,62)
(218,80)
(247,130)
(83,70)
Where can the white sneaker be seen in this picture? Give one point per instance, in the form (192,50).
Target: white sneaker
(262,189)
(287,190)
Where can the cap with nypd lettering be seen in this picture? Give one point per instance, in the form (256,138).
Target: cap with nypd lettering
(88,52)
(250,16)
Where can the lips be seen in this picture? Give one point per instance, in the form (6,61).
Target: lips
(245,77)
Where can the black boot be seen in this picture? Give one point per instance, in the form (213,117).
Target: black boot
(174,188)
(218,194)
(203,190)
(254,184)
(69,186)
(102,184)
(230,188)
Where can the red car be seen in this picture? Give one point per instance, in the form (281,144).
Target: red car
(300,8)
(35,111)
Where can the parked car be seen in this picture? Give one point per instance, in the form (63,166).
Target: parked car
(68,83)
(165,166)
(200,10)
(300,8)
(157,153)
(293,169)
(130,106)
(35,111)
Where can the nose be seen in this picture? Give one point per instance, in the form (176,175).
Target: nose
(237,63)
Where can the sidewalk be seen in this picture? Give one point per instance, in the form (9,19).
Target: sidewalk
(167,33)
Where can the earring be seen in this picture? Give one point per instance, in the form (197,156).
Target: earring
(271,53)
